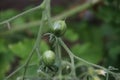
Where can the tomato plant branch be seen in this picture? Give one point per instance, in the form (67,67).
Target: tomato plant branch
(36,45)
(76,9)
(8,25)
(63,15)
(11,74)
(30,55)
(80,59)
(46,9)
(71,57)
(18,69)
(28,60)
(32,52)
(38,53)
(58,54)
(23,13)
(48,12)
(107,76)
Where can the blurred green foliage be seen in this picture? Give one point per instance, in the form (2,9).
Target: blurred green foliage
(97,43)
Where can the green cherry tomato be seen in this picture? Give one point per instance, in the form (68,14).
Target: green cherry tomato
(66,68)
(48,58)
(59,28)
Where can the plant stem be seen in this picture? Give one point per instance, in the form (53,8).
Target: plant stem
(78,58)
(48,12)
(18,69)
(71,57)
(107,76)
(47,4)
(23,13)
(76,9)
(60,16)
(27,62)
(38,53)
(8,25)
(58,52)
(35,46)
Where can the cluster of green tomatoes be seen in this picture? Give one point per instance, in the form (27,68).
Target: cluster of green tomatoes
(49,57)
(58,29)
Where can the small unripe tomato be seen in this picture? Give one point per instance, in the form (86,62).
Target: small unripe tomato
(59,28)
(48,58)
(66,69)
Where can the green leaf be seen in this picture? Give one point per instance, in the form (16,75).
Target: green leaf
(23,48)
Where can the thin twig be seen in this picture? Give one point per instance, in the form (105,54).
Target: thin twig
(71,57)
(35,46)
(38,36)
(78,58)
(28,60)
(59,58)
(18,69)
(63,15)
(11,74)
(38,52)
(8,25)
(21,14)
